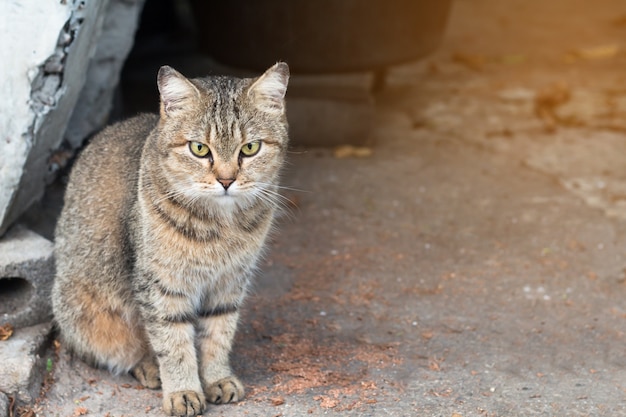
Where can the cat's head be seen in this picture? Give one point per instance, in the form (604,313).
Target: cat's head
(222,140)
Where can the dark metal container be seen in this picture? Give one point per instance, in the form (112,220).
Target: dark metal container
(319,36)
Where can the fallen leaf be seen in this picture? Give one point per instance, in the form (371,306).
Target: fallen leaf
(471,61)
(598,52)
(445,393)
(6,331)
(326,402)
(548,100)
(434,366)
(25,412)
(80,411)
(276,401)
(513,59)
(350,151)
(368,385)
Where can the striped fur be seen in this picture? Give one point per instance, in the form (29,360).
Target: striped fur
(154,253)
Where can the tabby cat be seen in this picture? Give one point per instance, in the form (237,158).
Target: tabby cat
(164,221)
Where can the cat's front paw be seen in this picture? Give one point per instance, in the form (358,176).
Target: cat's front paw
(226,390)
(184,403)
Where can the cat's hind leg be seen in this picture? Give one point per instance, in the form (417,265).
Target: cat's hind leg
(147,372)
(103,331)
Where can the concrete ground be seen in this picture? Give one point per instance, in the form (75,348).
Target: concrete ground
(473,265)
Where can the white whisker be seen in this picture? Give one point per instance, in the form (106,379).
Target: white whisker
(276,199)
(172,194)
(282,187)
(190,195)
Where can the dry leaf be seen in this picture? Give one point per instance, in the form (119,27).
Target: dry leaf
(276,401)
(6,332)
(26,412)
(471,61)
(598,52)
(80,411)
(513,59)
(326,402)
(349,151)
(548,100)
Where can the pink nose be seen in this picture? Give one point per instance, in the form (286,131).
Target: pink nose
(226,182)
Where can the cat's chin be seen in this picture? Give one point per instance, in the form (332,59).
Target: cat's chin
(228,201)
(225,199)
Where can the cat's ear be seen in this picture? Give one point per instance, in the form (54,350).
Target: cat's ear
(176,91)
(268,91)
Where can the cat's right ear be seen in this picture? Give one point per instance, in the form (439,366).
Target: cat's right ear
(176,91)
(268,91)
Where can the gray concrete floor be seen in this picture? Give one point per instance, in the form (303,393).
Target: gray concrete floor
(473,265)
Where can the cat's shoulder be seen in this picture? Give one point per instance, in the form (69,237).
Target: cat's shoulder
(117,146)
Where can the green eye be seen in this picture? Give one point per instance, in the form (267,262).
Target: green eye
(199,149)
(251,148)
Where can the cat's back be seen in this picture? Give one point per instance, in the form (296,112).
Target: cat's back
(112,156)
(102,184)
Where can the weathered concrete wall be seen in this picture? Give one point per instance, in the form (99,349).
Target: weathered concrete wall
(96,100)
(43,73)
(26,275)
(24,364)
(19,74)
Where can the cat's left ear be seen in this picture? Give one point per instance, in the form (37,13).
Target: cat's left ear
(176,91)
(268,91)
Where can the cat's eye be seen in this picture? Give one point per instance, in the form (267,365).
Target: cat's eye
(199,149)
(251,148)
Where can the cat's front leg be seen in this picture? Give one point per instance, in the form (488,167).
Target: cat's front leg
(173,340)
(216,331)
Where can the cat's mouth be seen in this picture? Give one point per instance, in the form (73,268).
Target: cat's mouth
(211,193)
(225,196)
(229,191)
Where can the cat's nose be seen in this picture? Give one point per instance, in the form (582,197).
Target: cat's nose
(226,182)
